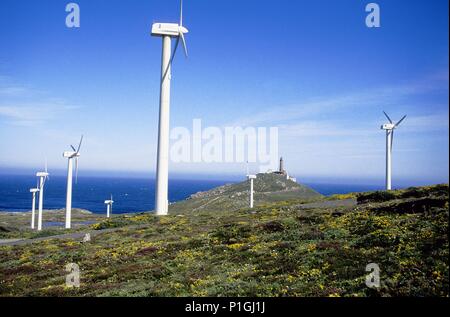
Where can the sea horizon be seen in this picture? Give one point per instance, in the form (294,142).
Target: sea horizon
(136,194)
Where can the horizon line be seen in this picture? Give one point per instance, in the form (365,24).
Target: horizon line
(176,175)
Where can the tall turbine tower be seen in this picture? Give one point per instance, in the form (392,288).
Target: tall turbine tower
(251,178)
(33,192)
(109,204)
(43,176)
(166,31)
(70,155)
(389,127)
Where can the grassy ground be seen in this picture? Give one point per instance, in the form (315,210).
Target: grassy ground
(277,249)
(14,225)
(268,188)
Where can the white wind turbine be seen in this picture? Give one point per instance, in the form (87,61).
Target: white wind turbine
(389,127)
(70,155)
(33,192)
(251,178)
(109,204)
(43,176)
(167,31)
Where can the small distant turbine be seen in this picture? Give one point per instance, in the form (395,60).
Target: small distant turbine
(251,178)
(70,155)
(109,204)
(33,191)
(43,176)
(167,31)
(389,127)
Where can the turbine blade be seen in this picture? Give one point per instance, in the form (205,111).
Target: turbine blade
(390,120)
(392,140)
(79,145)
(181,13)
(184,44)
(174,51)
(76,170)
(398,123)
(171,59)
(73,148)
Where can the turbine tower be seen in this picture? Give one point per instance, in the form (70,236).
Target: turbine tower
(109,204)
(33,191)
(389,127)
(166,31)
(70,155)
(43,176)
(251,178)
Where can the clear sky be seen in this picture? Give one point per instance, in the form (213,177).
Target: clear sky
(311,68)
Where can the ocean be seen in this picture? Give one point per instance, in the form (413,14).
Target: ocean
(129,194)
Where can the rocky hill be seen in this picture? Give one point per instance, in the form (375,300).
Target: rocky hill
(268,188)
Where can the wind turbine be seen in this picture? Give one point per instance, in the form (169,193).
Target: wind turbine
(389,127)
(33,192)
(43,176)
(166,31)
(70,155)
(251,178)
(109,204)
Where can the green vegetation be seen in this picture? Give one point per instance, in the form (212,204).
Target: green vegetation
(413,192)
(269,188)
(343,196)
(276,249)
(16,225)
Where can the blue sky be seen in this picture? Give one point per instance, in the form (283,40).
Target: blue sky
(311,68)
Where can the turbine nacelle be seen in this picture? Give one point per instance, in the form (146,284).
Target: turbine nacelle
(391,125)
(34,190)
(109,202)
(70,154)
(251,176)
(42,174)
(176,30)
(169,29)
(388,126)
